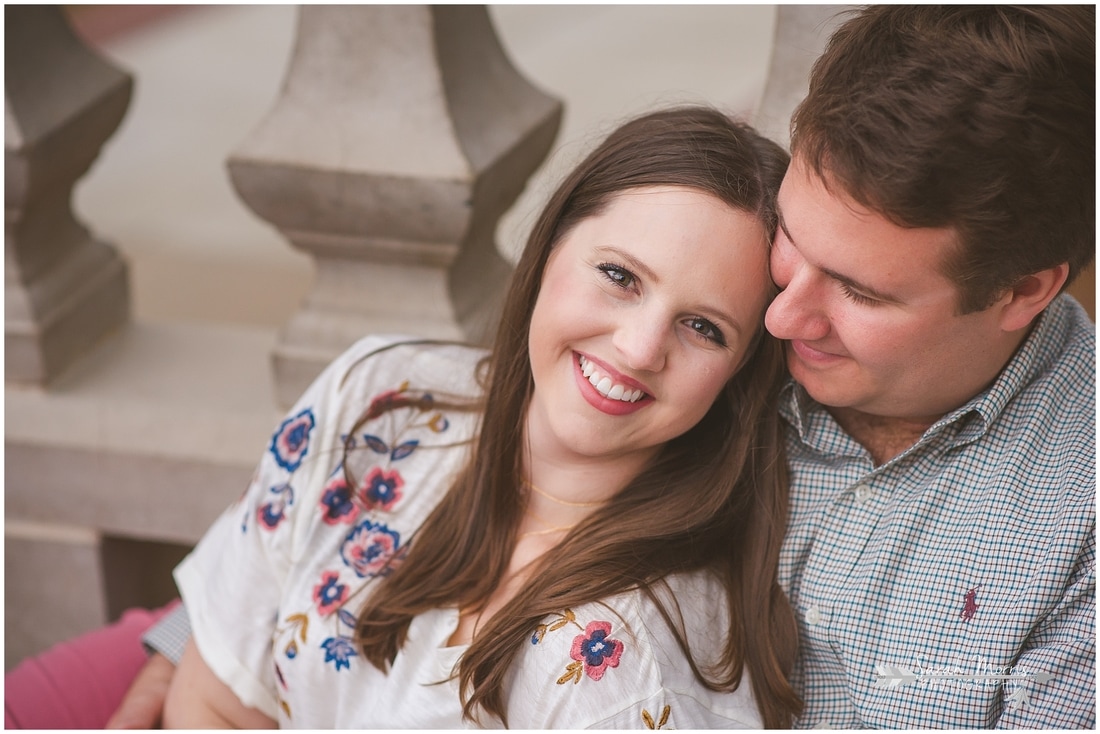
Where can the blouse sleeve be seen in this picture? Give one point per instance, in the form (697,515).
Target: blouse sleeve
(232,583)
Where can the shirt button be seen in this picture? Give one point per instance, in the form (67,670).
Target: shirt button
(863,493)
(813,615)
(822,725)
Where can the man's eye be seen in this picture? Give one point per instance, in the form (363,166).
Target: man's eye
(618,275)
(856,297)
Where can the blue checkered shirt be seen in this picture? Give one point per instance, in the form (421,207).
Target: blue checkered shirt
(954,586)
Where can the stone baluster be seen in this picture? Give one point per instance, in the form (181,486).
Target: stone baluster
(800,35)
(63,288)
(401,135)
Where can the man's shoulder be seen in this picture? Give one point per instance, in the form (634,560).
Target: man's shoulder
(1057,392)
(1066,343)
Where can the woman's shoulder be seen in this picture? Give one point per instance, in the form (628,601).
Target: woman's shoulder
(623,653)
(427,364)
(370,444)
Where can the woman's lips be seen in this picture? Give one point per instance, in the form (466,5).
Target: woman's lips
(607,390)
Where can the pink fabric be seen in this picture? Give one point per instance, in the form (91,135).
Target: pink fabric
(79,683)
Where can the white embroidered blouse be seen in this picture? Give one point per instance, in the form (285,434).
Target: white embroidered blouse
(274,587)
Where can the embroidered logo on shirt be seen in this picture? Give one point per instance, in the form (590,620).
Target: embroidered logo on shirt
(970,604)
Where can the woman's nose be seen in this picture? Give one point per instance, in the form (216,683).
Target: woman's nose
(643,343)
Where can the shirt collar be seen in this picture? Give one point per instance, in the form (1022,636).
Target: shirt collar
(1041,348)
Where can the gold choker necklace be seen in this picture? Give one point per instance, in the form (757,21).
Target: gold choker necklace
(566,503)
(547,529)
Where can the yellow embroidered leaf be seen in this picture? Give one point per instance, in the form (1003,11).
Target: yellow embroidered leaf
(648,718)
(664,716)
(573,672)
(286,707)
(305,628)
(569,616)
(559,624)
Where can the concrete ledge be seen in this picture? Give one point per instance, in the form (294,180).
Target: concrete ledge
(123,464)
(127,495)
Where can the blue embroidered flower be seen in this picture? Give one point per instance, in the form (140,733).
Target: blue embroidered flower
(271,513)
(336,502)
(368,548)
(290,443)
(339,651)
(596,650)
(382,489)
(330,593)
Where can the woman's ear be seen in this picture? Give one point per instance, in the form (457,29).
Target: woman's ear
(1031,295)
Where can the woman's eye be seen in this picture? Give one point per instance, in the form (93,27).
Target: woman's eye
(707,330)
(618,275)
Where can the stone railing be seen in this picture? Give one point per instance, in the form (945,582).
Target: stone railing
(400,137)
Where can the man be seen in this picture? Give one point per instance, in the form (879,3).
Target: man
(940,551)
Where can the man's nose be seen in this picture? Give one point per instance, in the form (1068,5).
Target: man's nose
(797,313)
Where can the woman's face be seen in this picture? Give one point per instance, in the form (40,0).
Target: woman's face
(645,312)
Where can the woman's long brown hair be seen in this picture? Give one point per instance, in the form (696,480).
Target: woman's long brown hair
(719,490)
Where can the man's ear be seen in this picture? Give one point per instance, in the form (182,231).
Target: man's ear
(1030,296)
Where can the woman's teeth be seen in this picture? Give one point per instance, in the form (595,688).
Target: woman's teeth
(604,386)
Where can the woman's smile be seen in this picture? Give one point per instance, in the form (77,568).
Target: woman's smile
(608,391)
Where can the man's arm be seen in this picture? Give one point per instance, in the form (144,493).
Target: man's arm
(198,699)
(143,704)
(1063,646)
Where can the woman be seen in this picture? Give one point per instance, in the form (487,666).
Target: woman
(579,530)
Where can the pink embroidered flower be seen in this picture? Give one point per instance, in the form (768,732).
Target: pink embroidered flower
(381,489)
(596,650)
(290,443)
(388,401)
(369,547)
(330,593)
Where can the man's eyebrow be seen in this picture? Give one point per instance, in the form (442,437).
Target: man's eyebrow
(855,285)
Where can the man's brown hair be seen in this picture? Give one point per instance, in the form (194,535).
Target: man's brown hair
(981,119)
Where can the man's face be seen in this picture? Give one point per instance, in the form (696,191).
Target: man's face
(869,317)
